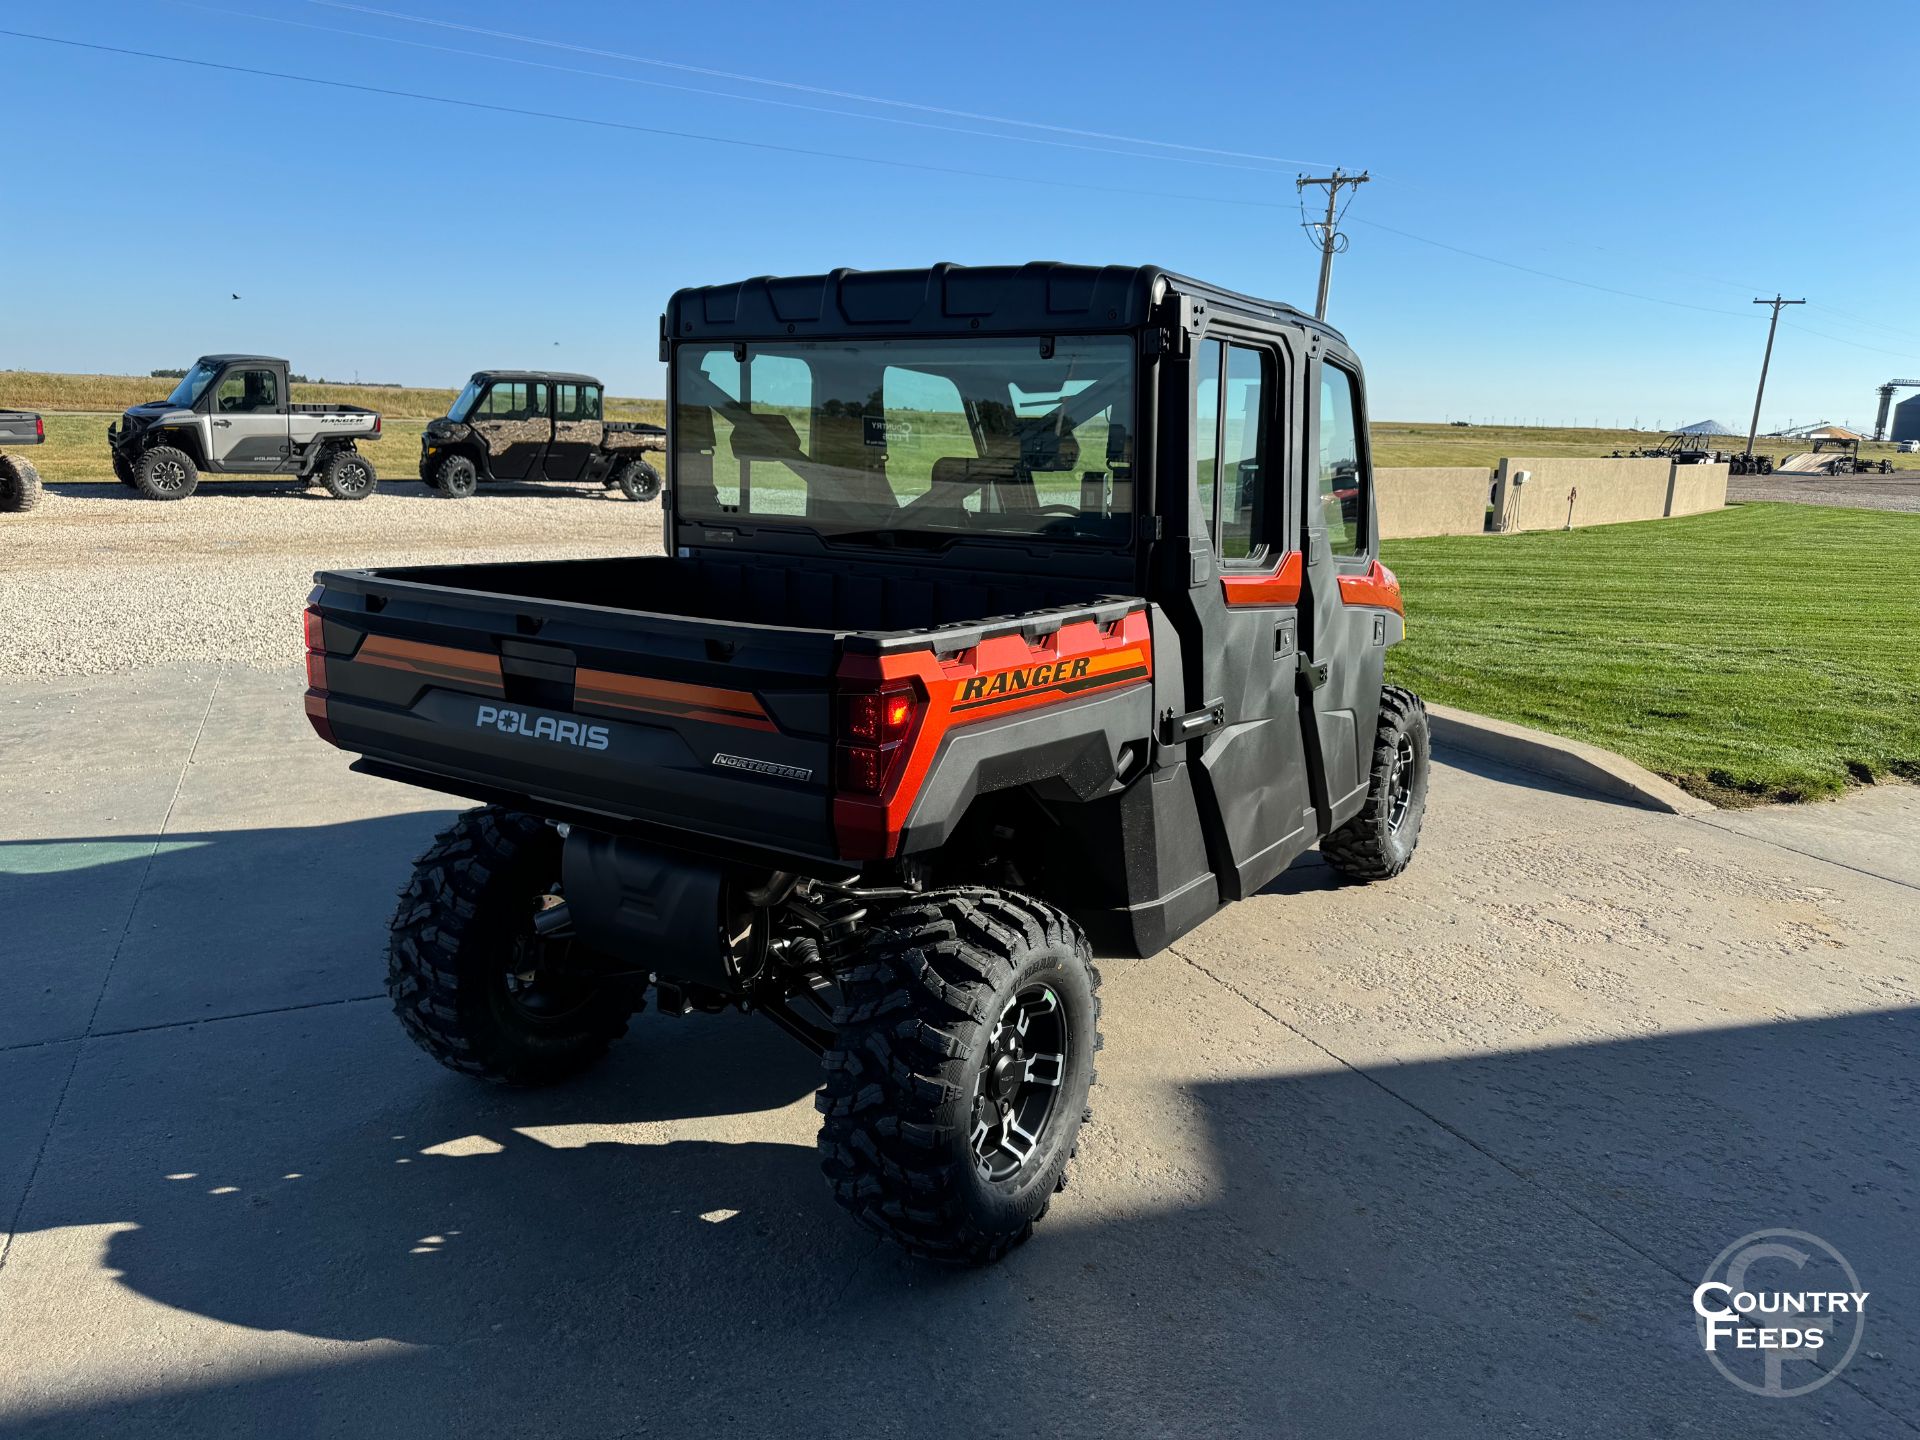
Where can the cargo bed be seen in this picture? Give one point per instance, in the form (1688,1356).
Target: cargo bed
(693,694)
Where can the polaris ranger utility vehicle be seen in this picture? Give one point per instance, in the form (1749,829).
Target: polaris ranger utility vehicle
(521,425)
(19,481)
(1003,610)
(233,415)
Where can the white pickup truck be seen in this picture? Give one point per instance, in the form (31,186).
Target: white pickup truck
(232,415)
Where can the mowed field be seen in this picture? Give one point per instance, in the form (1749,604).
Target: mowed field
(1706,648)
(78,409)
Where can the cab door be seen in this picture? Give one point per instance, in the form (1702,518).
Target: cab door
(1245,567)
(576,429)
(514,419)
(247,429)
(1351,604)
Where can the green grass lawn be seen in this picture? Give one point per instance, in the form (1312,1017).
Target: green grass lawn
(1766,652)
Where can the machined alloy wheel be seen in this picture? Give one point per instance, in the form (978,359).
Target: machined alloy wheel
(1019,1085)
(1378,843)
(165,473)
(1400,780)
(349,476)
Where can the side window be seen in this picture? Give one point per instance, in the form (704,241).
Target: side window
(589,402)
(569,407)
(537,398)
(247,392)
(1244,467)
(507,400)
(1232,446)
(1342,480)
(1206,427)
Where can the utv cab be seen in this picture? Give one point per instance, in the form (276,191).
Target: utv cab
(523,426)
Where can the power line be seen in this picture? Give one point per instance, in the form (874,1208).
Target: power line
(1545,274)
(766,145)
(1855,344)
(716,94)
(822,90)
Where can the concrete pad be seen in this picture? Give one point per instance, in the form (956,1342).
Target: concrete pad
(1258,1242)
(255,919)
(97,756)
(1875,829)
(31,1079)
(68,904)
(1442,1156)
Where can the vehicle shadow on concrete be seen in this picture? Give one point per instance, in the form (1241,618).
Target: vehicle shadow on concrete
(1488,1244)
(1491,769)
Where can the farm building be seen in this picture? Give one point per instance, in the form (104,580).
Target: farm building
(1906,419)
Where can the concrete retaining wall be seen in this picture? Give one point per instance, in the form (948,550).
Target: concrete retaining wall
(1696,488)
(1434,500)
(1561,492)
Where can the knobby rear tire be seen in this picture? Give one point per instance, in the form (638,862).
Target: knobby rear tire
(913,1036)
(1371,846)
(451,947)
(19,485)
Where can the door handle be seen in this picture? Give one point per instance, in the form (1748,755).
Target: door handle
(223,424)
(1179,729)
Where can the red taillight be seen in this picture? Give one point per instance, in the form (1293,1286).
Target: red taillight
(39,428)
(376,427)
(875,726)
(874,718)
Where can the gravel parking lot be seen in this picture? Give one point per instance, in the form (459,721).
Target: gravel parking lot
(1863,492)
(84,596)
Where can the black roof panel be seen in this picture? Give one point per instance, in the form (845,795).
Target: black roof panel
(1040,296)
(565,377)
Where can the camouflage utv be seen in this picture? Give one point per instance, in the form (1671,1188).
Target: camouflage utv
(516,426)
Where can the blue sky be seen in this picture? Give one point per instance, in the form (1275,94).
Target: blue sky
(1691,155)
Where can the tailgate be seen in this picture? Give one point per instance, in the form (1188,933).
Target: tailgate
(716,728)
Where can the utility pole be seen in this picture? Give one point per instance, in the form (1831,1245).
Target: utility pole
(1330,241)
(1767,360)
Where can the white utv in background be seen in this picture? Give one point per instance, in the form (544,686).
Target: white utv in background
(232,415)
